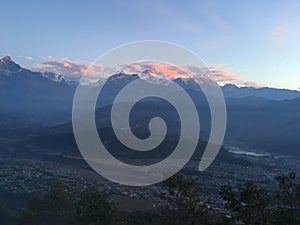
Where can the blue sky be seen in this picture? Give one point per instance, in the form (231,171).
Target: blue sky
(259,41)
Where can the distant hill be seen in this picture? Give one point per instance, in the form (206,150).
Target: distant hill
(233,91)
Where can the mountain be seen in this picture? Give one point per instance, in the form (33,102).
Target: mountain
(8,66)
(21,87)
(44,97)
(54,77)
(232,91)
(12,72)
(266,119)
(191,84)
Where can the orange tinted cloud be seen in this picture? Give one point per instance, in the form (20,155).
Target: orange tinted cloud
(73,68)
(217,72)
(157,68)
(220,74)
(214,72)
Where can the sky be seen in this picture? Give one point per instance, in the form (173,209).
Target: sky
(258,42)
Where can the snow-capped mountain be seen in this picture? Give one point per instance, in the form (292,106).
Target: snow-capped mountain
(53,76)
(44,97)
(153,78)
(7,66)
(13,70)
(13,75)
(33,94)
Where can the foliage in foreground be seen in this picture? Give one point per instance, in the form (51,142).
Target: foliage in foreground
(252,204)
(66,205)
(247,204)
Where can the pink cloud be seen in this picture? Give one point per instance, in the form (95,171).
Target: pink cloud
(219,73)
(72,68)
(26,57)
(216,72)
(223,75)
(76,68)
(156,68)
(279,35)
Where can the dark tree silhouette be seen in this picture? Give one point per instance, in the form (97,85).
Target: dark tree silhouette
(183,202)
(65,205)
(251,204)
(94,209)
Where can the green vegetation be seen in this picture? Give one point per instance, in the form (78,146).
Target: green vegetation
(251,204)
(182,205)
(66,205)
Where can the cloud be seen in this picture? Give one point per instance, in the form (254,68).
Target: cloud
(159,69)
(216,72)
(219,73)
(26,57)
(62,66)
(285,25)
(76,68)
(249,84)
(278,34)
(72,68)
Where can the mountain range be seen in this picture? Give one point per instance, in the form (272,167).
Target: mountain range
(264,119)
(18,84)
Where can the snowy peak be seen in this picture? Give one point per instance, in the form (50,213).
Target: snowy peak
(151,77)
(8,65)
(122,77)
(158,79)
(6,59)
(13,70)
(53,76)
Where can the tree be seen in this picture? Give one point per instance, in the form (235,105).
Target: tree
(287,199)
(251,204)
(6,215)
(63,204)
(183,202)
(95,209)
(54,207)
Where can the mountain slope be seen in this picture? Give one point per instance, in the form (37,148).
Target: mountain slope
(44,97)
(233,91)
(255,119)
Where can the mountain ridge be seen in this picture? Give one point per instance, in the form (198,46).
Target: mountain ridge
(30,99)
(9,68)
